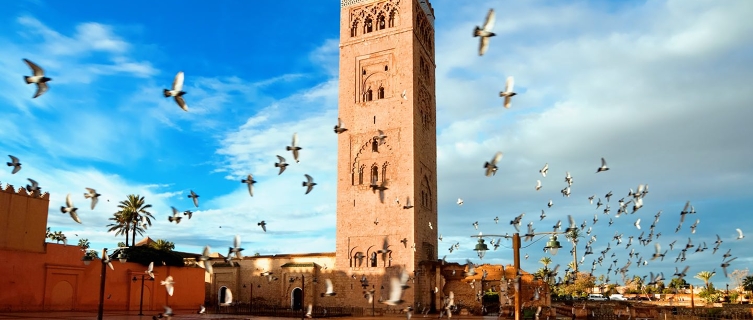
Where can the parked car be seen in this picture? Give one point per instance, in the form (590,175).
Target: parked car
(596,297)
(617,297)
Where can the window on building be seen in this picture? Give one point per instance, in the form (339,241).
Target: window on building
(374,174)
(354,29)
(375,145)
(367,26)
(380,93)
(373,259)
(391,22)
(380,23)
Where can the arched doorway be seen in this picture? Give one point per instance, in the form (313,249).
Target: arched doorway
(62,296)
(296,299)
(224,296)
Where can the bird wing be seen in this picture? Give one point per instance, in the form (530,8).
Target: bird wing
(603,162)
(509,84)
(181,103)
(74,216)
(687,206)
(250,186)
(206,252)
(41,89)
(178,82)
(237,241)
(175,211)
(13,159)
(94,202)
(329,286)
(483,45)
(68,201)
(282,160)
(497,157)
(295,140)
(658,248)
(38,71)
(489,23)
(739,233)
(228,296)
(508,102)
(396,289)
(309,178)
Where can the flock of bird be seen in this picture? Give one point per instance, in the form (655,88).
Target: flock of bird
(619,263)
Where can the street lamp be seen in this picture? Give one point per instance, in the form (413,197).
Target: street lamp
(553,245)
(141,300)
(103,275)
(481,249)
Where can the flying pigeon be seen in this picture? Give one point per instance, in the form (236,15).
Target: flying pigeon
(340,126)
(508,94)
(92,194)
(70,209)
(188,213)
(330,290)
(485,32)
(538,185)
(460,202)
(205,259)
(14,163)
(263,225)
(282,164)
(150,270)
(195,198)
(236,248)
(177,91)
(168,283)
(544,170)
(408,204)
(491,167)
(34,187)
(38,78)
(175,217)
(381,136)
(309,183)
(740,234)
(250,182)
(294,147)
(202,310)
(603,166)
(404,95)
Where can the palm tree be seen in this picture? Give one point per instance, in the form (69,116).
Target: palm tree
(162,244)
(84,244)
(546,261)
(121,225)
(705,276)
(134,209)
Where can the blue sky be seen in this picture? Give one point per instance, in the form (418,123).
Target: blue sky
(658,88)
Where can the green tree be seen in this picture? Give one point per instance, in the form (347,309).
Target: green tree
(92,253)
(162,244)
(574,235)
(84,244)
(134,211)
(748,283)
(705,276)
(583,284)
(120,225)
(678,283)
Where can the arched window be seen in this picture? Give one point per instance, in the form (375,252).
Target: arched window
(380,93)
(375,145)
(373,259)
(384,171)
(369,95)
(367,25)
(354,29)
(381,23)
(393,16)
(360,174)
(374,174)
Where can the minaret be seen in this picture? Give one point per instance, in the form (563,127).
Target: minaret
(387,83)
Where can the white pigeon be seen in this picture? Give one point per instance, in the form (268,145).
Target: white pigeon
(330,289)
(603,166)
(544,170)
(538,185)
(404,95)
(460,202)
(202,310)
(92,194)
(150,270)
(638,224)
(740,234)
(177,91)
(205,258)
(485,32)
(168,283)
(508,94)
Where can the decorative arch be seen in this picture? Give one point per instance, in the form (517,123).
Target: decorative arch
(354,28)
(384,170)
(375,174)
(381,21)
(359,158)
(368,24)
(379,80)
(394,18)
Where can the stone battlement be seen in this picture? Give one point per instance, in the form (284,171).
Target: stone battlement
(23,192)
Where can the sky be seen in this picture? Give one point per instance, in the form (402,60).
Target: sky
(657,88)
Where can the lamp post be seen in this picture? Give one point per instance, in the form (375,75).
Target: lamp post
(553,246)
(141,300)
(103,275)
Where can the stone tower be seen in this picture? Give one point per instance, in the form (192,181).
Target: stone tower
(387,83)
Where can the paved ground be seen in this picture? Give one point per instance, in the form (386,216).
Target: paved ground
(191,314)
